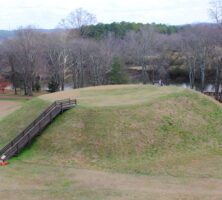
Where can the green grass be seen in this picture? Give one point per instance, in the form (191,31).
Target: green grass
(171,134)
(31,181)
(14,99)
(155,124)
(15,122)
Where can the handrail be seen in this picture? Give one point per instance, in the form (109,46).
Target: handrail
(12,142)
(218,96)
(61,104)
(27,133)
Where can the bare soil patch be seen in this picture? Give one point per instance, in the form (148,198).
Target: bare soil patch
(14,97)
(7,107)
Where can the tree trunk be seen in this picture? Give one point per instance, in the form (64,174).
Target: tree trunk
(145,76)
(191,79)
(220,95)
(74,78)
(218,80)
(29,88)
(13,76)
(192,72)
(25,89)
(15,91)
(202,71)
(82,78)
(153,75)
(62,82)
(29,91)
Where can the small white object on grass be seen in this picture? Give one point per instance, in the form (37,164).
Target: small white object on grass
(3,157)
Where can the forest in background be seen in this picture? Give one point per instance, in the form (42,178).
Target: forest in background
(101,30)
(88,54)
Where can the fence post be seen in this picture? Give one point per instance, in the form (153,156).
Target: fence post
(28,138)
(50,116)
(61,107)
(17,149)
(39,126)
(19,141)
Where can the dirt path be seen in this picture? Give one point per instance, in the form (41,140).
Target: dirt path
(7,107)
(14,97)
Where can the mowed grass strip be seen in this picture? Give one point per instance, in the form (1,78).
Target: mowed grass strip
(13,99)
(38,181)
(116,95)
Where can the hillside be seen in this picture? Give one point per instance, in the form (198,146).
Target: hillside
(133,129)
(121,142)
(12,124)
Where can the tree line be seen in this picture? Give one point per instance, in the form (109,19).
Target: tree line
(100,30)
(91,54)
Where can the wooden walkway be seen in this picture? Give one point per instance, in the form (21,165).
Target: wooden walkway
(213,94)
(35,128)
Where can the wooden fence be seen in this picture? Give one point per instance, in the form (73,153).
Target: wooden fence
(34,129)
(213,94)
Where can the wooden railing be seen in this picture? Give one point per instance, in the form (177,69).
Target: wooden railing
(34,128)
(213,94)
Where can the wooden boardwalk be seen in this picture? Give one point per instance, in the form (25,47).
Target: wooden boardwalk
(35,128)
(213,94)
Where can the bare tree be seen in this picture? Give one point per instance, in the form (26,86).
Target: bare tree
(216,63)
(99,62)
(77,50)
(57,56)
(218,80)
(140,47)
(216,15)
(90,62)
(76,20)
(215,11)
(22,58)
(8,54)
(197,47)
(28,56)
(190,52)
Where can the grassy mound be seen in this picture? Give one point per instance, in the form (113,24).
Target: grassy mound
(135,129)
(12,124)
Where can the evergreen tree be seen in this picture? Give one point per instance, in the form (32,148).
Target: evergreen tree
(53,86)
(118,75)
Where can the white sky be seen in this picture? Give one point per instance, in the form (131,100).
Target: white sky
(48,13)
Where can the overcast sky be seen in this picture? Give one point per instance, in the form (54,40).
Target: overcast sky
(47,13)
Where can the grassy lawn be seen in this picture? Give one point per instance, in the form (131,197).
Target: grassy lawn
(15,122)
(120,142)
(32,181)
(13,99)
(20,93)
